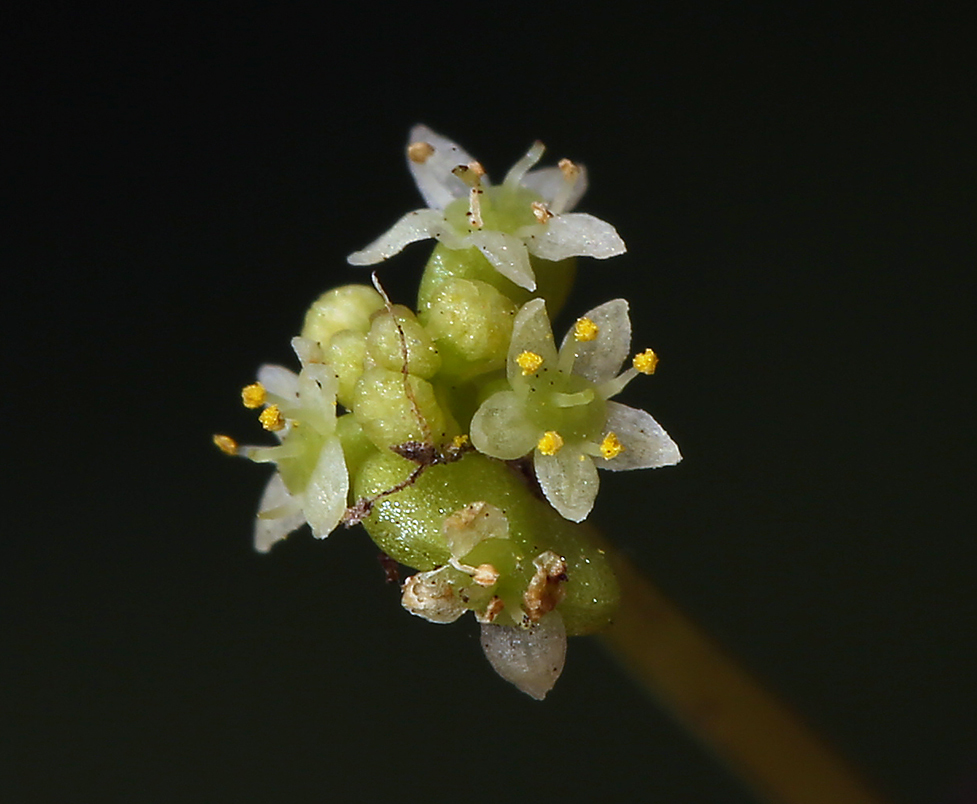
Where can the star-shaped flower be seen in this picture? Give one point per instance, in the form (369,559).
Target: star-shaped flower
(311,481)
(557,406)
(529,213)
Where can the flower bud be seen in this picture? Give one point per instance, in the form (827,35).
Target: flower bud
(388,338)
(346,307)
(389,416)
(471,322)
(345,354)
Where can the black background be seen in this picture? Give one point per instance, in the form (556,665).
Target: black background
(797,196)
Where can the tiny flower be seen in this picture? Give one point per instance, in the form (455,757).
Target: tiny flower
(528,214)
(557,406)
(311,481)
(443,594)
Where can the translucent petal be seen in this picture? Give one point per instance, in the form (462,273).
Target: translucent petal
(430,595)
(500,428)
(279,381)
(646,444)
(307,350)
(549,181)
(575,234)
(531,332)
(318,386)
(324,500)
(531,658)
(288,515)
(599,360)
(417,225)
(507,254)
(473,524)
(433,176)
(569,481)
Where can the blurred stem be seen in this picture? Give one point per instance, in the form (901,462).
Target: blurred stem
(755,735)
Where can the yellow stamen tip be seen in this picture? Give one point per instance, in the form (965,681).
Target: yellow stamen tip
(611,446)
(225,444)
(253,396)
(646,361)
(459,441)
(569,170)
(540,212)
(271,418)
(529,362)
(585,330)
(419,152)
(551,443)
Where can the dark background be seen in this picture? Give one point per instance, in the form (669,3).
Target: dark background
(797,196)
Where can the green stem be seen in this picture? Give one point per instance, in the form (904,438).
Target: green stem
(755,735)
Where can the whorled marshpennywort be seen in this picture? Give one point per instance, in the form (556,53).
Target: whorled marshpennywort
(459,435)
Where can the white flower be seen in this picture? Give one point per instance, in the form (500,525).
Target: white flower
(557,407)
(527,214)
(311,481)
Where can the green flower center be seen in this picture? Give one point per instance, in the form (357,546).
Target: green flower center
(503,209)
(566,403)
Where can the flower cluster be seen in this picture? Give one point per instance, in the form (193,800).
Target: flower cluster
(424,426)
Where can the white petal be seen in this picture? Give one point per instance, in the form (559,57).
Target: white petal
(417,225)
(549,181)
(434,178)
(499,428)
(507,254)
(318,387)
(531,332)
(572,235)
(279,381)
(600,360)
(287,515)
(307,350)
(646,444)
(470,526)
(531,658)
(430,595)
(324,500)
(569,481)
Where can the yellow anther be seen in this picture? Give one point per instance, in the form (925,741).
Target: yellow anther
(551,443)
(585,329)
(485,575)
(419,152)
(225,444)
(541,212)
(646,361)
(253,396)
(271,418)
(611,446)
(569,170)
(529,362)
(459,441)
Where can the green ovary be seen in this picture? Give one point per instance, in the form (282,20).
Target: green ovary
(304,444)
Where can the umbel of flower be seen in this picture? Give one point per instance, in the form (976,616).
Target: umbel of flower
(557,408)
(311,481)
(529,213)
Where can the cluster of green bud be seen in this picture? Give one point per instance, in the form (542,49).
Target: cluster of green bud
(460,437)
